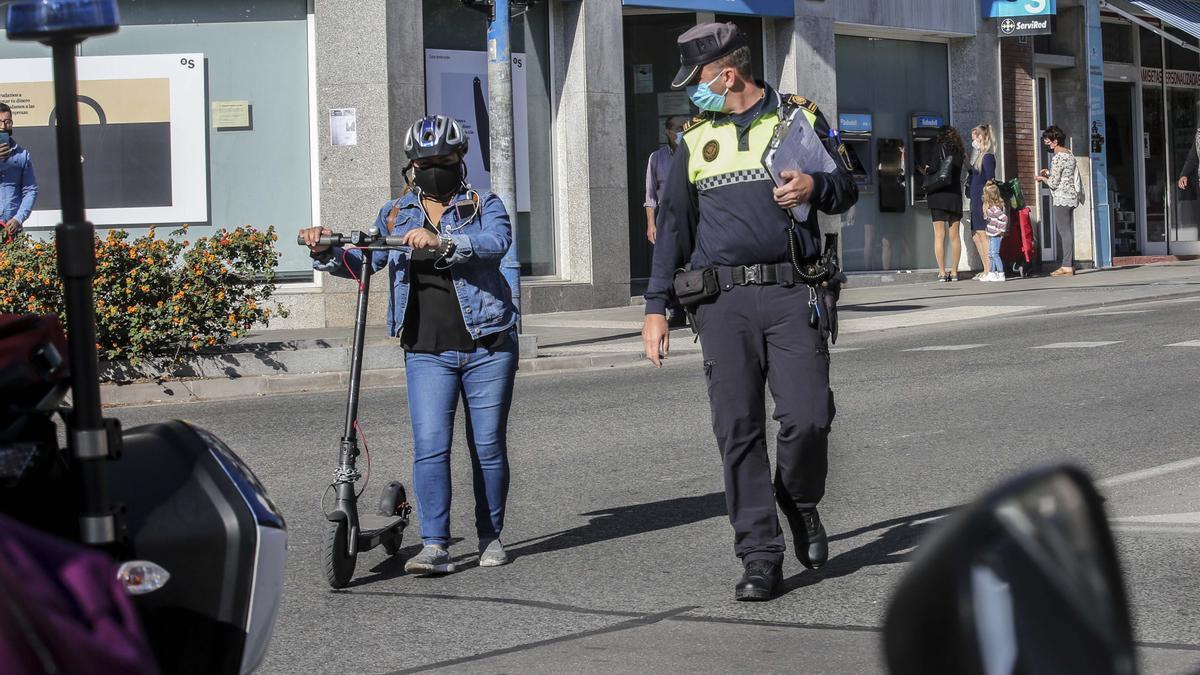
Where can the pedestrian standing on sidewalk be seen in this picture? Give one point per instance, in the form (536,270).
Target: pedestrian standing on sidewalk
(982,170)
(945,203)
(1063,179)
(997,226)
(453,312)
(656,179)
(18,184)
(723,218)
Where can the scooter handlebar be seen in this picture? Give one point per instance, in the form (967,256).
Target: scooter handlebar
(356,239)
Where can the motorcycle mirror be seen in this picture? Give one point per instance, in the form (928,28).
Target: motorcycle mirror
(1024,580)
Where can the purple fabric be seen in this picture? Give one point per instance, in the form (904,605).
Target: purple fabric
(656,175)
(61,604)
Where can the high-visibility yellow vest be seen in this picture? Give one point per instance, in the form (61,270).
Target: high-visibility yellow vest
(714,158)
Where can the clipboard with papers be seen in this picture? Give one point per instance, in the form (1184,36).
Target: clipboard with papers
(795,146)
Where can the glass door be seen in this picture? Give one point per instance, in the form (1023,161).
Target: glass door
(1124,157)
(1154,234)
(1184,227)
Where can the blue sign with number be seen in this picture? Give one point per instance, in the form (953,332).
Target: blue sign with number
(785,8)
(999,9)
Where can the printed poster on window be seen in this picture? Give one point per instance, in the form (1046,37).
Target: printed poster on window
(142,118)
(456,85)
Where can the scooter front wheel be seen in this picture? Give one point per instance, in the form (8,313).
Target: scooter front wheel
(339,563)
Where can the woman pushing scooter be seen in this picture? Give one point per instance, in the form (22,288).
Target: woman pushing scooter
(453,312)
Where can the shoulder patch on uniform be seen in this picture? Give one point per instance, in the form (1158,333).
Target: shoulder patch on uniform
(803,103)
(711,150)
(693,123)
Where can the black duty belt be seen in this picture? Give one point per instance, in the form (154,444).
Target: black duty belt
(762,274)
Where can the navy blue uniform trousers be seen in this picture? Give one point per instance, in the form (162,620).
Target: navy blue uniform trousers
(753,337)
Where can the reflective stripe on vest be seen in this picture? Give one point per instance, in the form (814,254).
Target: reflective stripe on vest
(714,159)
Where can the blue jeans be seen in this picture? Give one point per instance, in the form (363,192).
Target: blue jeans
(483,379)
(994,254)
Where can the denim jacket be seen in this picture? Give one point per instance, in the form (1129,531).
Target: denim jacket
(479,244)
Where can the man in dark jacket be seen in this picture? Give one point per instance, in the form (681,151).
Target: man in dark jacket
(721,210)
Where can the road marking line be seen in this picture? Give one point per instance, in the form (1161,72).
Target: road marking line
(1189,343)
(930,316)
(583,323)
(1078,345)
(1121,313)
(1192,518)
(1157,529)
(943,348)
(843,350)
(1152,472)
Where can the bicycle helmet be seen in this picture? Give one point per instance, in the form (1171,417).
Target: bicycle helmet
(434,136)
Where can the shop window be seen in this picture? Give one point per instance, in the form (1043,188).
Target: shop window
(891,80)
(459,37)
(1151,48)
(216,177)
(1118,42)
(1179,58)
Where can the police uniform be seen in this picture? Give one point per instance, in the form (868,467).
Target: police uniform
(718,210)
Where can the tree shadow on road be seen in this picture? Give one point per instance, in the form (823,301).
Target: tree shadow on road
(893,545)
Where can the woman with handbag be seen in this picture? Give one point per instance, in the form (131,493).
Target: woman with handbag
(943,190)
(1064,183)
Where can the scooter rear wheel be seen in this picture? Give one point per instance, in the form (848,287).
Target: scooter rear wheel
(339,564)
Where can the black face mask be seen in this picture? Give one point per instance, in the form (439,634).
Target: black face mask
(438,180)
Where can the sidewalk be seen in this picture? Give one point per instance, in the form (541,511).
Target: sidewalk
(293,361)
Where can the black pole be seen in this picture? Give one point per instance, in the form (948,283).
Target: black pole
(77,265)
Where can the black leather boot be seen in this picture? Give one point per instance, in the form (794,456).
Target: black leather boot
(759,582)
(808,536)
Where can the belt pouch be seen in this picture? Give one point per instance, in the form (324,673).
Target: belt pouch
(695,286)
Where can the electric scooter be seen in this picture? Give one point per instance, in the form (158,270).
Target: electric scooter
(350,532)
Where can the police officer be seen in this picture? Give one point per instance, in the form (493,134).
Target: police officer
(721,210)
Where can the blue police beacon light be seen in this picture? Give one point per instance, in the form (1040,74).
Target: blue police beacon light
(49,20)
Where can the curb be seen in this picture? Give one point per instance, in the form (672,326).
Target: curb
(221,389)
(226,388)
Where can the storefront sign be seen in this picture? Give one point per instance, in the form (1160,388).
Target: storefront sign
(785,8)
(849,123)
(1000,9)
(1022,27)
(1186,79)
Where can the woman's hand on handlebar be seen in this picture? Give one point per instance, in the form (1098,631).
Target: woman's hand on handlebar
(419,237)
(312,235)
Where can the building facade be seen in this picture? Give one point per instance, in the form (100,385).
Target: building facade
(323,91)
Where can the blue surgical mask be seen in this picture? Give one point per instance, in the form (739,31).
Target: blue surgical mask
(704,97)
(678,137)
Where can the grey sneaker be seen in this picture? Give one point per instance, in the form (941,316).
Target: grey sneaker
(431,560)
(492,554)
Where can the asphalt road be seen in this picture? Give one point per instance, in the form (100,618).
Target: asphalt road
(623,556)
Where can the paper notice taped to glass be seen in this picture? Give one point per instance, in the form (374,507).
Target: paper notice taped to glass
(796,147)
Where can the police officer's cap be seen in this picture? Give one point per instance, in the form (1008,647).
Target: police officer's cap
(704,44)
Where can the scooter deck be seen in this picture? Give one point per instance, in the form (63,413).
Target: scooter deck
(372,527)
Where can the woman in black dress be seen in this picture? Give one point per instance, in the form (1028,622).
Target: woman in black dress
(946,203)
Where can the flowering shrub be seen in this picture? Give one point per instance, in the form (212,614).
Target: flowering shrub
(155,298)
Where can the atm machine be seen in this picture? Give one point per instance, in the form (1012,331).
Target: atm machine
(854,129)
(924,152)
